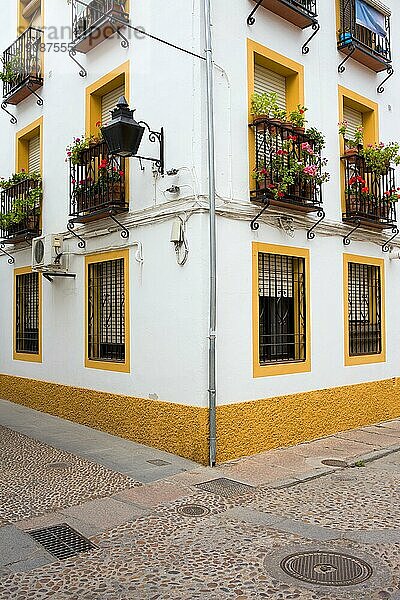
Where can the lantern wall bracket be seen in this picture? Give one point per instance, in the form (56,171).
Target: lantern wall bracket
(386,246)
(315,27)
(380,89)
(154,137)
(70,227)
(11,259)
(124,40)
(253,224)
(13,119)
(341,67)
(346,239)
(72,53)
(39,100)
(321,217)
(125,230)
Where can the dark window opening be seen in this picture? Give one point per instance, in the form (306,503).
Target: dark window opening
(106,306)
(365,326)
(282,309)
(27,313)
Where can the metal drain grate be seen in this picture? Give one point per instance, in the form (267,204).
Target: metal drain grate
(62,541)
(331,462)
(158,462)
(59,465)
(193,510)
(327,568)
(224,487)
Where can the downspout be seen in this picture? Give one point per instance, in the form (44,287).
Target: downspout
(212,232)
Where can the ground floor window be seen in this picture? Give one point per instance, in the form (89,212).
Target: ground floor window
(27,313)
(282,308)
(106,310)
(364,298)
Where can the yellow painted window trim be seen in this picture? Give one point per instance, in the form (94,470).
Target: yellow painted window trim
(21,144)
(102,86)
(294,73)
(25,356)
(282,368)
(370,111)
(106,365)
(371,358)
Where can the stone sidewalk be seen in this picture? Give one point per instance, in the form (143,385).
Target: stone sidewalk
(180,530)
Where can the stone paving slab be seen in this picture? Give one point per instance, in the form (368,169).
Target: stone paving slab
(154,494)
(19,551)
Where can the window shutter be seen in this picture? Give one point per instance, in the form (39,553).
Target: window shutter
(34,155)
(109,102)
(266,81)
(354,118)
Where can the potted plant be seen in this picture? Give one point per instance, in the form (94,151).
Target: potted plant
(110,179)
(298,119)
(378,157)
(352,146)
(24,208)
(357,186)
(316,138)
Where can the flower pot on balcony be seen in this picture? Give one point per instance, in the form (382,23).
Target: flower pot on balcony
(300,130)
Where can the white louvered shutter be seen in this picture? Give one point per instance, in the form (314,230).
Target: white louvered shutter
(109,102)
(34,154)
(266,81)
(354,119)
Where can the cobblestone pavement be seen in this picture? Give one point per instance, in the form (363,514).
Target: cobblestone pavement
(235,549)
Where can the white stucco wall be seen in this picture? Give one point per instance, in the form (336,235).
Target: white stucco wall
(169,304)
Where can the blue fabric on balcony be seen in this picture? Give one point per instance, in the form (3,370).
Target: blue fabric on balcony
(369,17)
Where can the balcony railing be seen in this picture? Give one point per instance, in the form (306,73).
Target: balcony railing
(97,21)
(301,13)
(274,140)
(364,45)
(97,184)
(24,214)
(367,202)
(22,66)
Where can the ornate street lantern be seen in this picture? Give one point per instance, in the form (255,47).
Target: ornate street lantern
(123,134)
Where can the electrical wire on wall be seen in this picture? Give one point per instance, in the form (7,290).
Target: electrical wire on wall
(178,238)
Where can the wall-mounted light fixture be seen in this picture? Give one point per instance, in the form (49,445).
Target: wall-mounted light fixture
(123,135)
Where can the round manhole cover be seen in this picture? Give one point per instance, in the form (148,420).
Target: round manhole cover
(326,568)
(331,462)
(193,510)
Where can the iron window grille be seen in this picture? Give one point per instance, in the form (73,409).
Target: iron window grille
(106,306)
(270,137)
(87,19)
(307,6)
(365,324)
(22,63)
(97,183)
(27,313)
(371,207)
(29,223)
(282,308)
(352,33)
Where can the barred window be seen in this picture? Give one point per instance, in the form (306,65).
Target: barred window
(27,313)
(365,327)
(106,308)
(282,308)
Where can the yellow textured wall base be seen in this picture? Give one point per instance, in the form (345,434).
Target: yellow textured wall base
(242,429)
(175,428)
(251,427)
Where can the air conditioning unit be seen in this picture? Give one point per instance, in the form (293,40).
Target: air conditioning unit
(47,254)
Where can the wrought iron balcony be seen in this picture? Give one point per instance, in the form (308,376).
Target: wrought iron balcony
(97,185)
(367,201)
(97,21)
(22,67)
(20,211)
(362,44)
(279,148)
(301,13)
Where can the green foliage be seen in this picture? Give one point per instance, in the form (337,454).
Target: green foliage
(378,157)
(266,105)
(358,139)
(25,205)
(298,116)
(317,137)
(11,69)
(74,150)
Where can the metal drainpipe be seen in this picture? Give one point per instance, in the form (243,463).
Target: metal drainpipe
(212,227)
